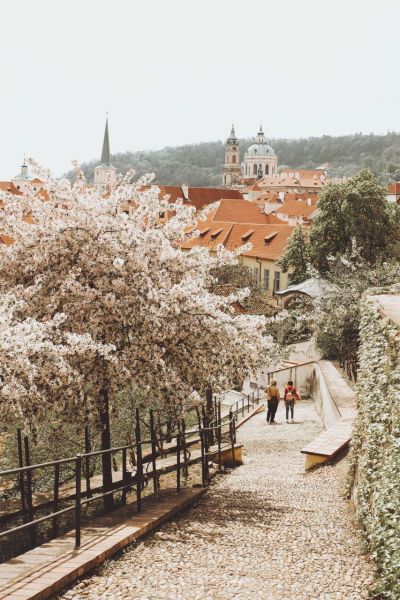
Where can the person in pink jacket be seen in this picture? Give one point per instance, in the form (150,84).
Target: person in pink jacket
(290,396)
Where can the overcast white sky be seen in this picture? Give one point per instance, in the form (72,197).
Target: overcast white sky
(171,72)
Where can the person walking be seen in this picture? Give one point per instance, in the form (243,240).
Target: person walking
(273,400)
(290,396)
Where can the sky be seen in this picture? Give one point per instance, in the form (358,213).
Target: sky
(172,72)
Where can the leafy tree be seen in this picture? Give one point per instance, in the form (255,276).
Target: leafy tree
(337,315)
(356,210)
(201,164)
(296,257)
(95,301)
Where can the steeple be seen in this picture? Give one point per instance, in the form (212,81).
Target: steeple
(105,154)
(105,173)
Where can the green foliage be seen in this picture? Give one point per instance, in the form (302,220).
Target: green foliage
(375,458)
(354,211)
(201,164)
(337,318)
(296,256)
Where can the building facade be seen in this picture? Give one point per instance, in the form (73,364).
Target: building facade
(260,159)
(232,172)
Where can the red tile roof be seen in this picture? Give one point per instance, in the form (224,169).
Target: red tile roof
(242,211)
(296,208)
(9,187)
(394,188)
(198,197)
(268,241)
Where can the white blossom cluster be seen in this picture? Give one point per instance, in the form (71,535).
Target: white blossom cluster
(375,453)
(97,296)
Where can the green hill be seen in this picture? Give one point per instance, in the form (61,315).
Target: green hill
(201,164)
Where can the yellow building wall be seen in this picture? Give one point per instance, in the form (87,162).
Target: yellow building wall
(262,265)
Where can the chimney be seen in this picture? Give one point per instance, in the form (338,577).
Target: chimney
(185,191)
(309,202)
(282,196)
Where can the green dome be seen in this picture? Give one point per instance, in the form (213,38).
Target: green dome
(260,150)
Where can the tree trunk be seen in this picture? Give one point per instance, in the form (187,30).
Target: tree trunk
(105,445)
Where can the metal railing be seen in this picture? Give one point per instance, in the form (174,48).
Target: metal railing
(215,433)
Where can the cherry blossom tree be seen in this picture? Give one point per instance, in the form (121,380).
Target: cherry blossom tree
(105,298)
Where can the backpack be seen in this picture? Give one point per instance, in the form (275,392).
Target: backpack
(291,394)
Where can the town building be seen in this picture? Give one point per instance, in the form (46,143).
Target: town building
(235,223)
(105,174)
(232,172)
(22,182)
(260,159)
(393,194)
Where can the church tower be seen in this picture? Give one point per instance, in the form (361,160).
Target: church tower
(105,173)
(232,172)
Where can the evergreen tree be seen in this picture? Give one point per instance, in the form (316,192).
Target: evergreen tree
(296,256)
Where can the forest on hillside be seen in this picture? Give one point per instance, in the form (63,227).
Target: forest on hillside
(201,164)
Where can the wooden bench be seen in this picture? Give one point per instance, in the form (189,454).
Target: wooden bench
(328,444)
(338,435)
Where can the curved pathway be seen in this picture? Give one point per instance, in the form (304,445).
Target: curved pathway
(265,531)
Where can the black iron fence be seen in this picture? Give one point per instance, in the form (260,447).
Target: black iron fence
(214,434)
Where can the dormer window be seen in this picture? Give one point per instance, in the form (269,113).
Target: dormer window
(204,231)
(246,236)
(268,238)
(216,232)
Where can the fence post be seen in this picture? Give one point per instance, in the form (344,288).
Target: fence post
(153,450)
(124,476)
(184,447)
(203,468)
(55,499)
(178,459)
(242,406)
(139,466)
(248,403)
(88,449)
(29,491)
(78,477)
(231,422)
(219,434)
(206,444)
(21,475)
(209,412)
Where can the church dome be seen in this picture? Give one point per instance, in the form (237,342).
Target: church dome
(260,150)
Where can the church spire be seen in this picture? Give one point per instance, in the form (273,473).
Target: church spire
(105,154)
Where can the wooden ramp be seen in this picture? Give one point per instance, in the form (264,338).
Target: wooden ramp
(45,570)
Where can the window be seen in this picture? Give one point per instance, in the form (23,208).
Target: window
(277,281)
(254,169)
(255,274)
(266,279)
(161,214)
(266,169)
(234,158)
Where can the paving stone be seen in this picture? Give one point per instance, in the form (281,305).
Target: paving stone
(266,531)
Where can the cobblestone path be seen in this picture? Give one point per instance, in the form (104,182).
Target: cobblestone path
(265,531)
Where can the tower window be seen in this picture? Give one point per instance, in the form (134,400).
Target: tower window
(266,169)
(254,169)
(234,158)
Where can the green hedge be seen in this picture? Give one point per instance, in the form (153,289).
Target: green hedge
(375,455)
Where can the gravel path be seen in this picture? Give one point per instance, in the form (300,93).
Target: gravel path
(266,531)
